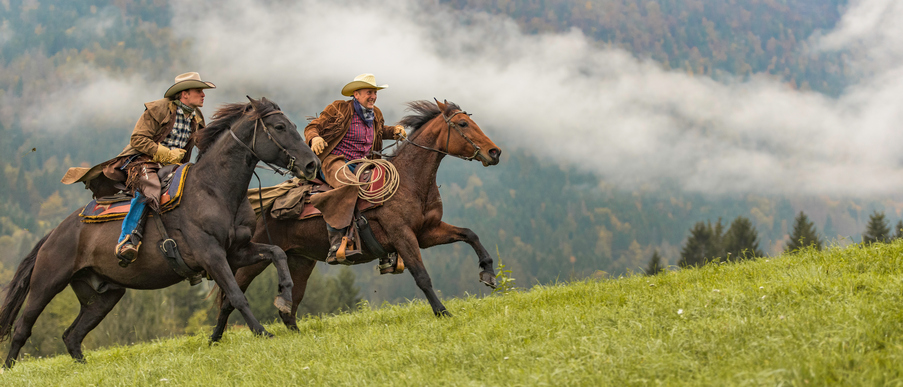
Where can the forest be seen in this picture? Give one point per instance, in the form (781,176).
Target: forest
(545,221)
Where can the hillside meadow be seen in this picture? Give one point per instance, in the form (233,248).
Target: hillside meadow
(833,317)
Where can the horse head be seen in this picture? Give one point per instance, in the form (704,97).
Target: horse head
(261,128)
(456,133)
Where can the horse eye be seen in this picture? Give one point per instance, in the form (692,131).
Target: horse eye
(463,124)
(280,126)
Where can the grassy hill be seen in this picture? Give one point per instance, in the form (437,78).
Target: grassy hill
(812,318)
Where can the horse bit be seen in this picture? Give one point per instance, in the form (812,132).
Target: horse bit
(291,159)
(448,120)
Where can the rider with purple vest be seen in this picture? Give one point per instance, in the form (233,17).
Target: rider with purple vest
(346,130)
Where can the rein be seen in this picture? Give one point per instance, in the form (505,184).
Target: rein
(451,125)
(291,159)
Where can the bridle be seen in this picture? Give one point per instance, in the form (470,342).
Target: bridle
(452,125)
(291,159)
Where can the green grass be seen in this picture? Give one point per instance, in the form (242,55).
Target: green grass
(814,318)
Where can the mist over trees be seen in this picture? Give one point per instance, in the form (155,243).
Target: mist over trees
(549,221)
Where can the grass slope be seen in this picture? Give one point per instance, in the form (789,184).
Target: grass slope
(814,318)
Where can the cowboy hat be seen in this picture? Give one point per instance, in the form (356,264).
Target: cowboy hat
(363,81)
(188,81)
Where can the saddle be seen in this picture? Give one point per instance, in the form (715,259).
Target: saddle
(292,201)
(115,207)
(295,204)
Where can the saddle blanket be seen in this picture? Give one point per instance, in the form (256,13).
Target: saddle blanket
(291,199)
(111,208)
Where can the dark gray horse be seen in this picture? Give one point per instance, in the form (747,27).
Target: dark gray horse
(212,226)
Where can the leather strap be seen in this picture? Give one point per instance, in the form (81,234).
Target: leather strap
(171,252)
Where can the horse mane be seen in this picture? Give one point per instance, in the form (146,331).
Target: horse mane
(424,112)
(224,118)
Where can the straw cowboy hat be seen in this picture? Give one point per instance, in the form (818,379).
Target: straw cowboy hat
(363,81)
(188,81)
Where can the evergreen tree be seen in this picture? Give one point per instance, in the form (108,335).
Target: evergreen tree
(703,245)
(898,232)
(803,235)
(877,230)
(741,240)
(655,264)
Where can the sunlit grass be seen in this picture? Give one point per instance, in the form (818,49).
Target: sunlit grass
(816,318)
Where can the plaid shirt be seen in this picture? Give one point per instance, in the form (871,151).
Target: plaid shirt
(357,142)
(181,130)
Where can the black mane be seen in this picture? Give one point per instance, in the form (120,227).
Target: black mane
(225,117)
(424,112)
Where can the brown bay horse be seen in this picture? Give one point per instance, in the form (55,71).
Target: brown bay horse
(411,220)
(212,225)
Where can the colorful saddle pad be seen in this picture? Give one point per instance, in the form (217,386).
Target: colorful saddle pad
(106,209)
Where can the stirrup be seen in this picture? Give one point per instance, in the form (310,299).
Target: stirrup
(391,265)
(127,252)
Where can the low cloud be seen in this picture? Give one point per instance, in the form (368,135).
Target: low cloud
(561,96)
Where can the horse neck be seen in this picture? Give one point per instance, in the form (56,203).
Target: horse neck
(226,168)
(416,166)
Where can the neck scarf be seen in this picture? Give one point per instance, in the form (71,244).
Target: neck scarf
(185,108)
(367,115)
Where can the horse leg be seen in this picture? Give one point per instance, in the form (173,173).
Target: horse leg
(410,252)
(254,253)
(40,295)
(445,233)
(243,277)
(300,268)
(222,275)
(94,307)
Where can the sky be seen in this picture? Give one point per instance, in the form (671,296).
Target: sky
(589,108)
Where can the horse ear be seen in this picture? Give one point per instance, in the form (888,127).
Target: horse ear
(254,103)
(441,105)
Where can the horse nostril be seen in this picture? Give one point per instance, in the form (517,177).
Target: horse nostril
(311,169)
(495,153)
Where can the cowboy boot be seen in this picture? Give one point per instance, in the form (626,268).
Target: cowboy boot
(391,264)
(127,250)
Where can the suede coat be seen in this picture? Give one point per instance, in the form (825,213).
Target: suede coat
(333,123)
(154,125)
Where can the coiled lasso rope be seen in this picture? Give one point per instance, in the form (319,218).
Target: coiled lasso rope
(376,197)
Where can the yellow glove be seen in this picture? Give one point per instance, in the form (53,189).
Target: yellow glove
(165,155)
(318,144)
(175,156)
(162,154)
(400,132)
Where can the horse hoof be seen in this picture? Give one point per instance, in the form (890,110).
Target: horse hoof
(283,305)
(488,279)
(443,313)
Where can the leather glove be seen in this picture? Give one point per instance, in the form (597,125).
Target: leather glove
(165,155)
(318,144)
(162,154)
(176,155)
(400,132)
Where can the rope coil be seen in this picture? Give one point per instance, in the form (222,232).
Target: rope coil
(376,197)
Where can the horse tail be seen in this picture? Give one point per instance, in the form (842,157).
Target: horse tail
(17,290)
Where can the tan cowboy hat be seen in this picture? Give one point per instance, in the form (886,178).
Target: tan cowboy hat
(363,81)
(188,81)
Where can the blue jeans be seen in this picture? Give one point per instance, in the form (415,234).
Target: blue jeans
(134,215)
